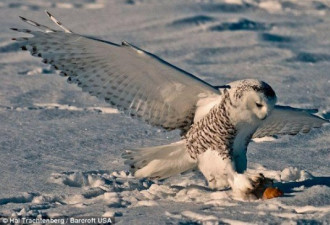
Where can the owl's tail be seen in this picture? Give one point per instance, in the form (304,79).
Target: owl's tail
(159,162)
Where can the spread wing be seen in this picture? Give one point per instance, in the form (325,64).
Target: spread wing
(287,120)
(133,80)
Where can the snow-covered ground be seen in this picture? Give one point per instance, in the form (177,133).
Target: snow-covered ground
(60,148)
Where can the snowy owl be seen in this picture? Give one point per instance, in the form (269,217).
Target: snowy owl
(216,122)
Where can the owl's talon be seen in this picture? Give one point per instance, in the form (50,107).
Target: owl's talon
(259,184)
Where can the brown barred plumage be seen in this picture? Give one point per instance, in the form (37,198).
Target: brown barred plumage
(215,131)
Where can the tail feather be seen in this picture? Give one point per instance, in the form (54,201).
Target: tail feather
(159,162)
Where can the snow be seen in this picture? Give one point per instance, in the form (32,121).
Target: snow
(60,148)
(294,174)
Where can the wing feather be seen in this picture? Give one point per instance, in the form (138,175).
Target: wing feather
(133,80)
(287,120)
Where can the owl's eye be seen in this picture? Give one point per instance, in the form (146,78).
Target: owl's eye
(259,105)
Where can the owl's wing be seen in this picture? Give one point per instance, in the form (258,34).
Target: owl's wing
(287,120)
(135,81)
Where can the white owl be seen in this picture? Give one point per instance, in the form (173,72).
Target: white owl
(217,123)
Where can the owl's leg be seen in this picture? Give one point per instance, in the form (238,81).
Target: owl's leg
(220,172)
(215,169)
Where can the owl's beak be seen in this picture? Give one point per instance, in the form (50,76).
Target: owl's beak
(264,117)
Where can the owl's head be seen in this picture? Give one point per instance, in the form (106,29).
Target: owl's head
(252,98)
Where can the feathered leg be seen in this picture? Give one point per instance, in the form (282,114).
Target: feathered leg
(220,173)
